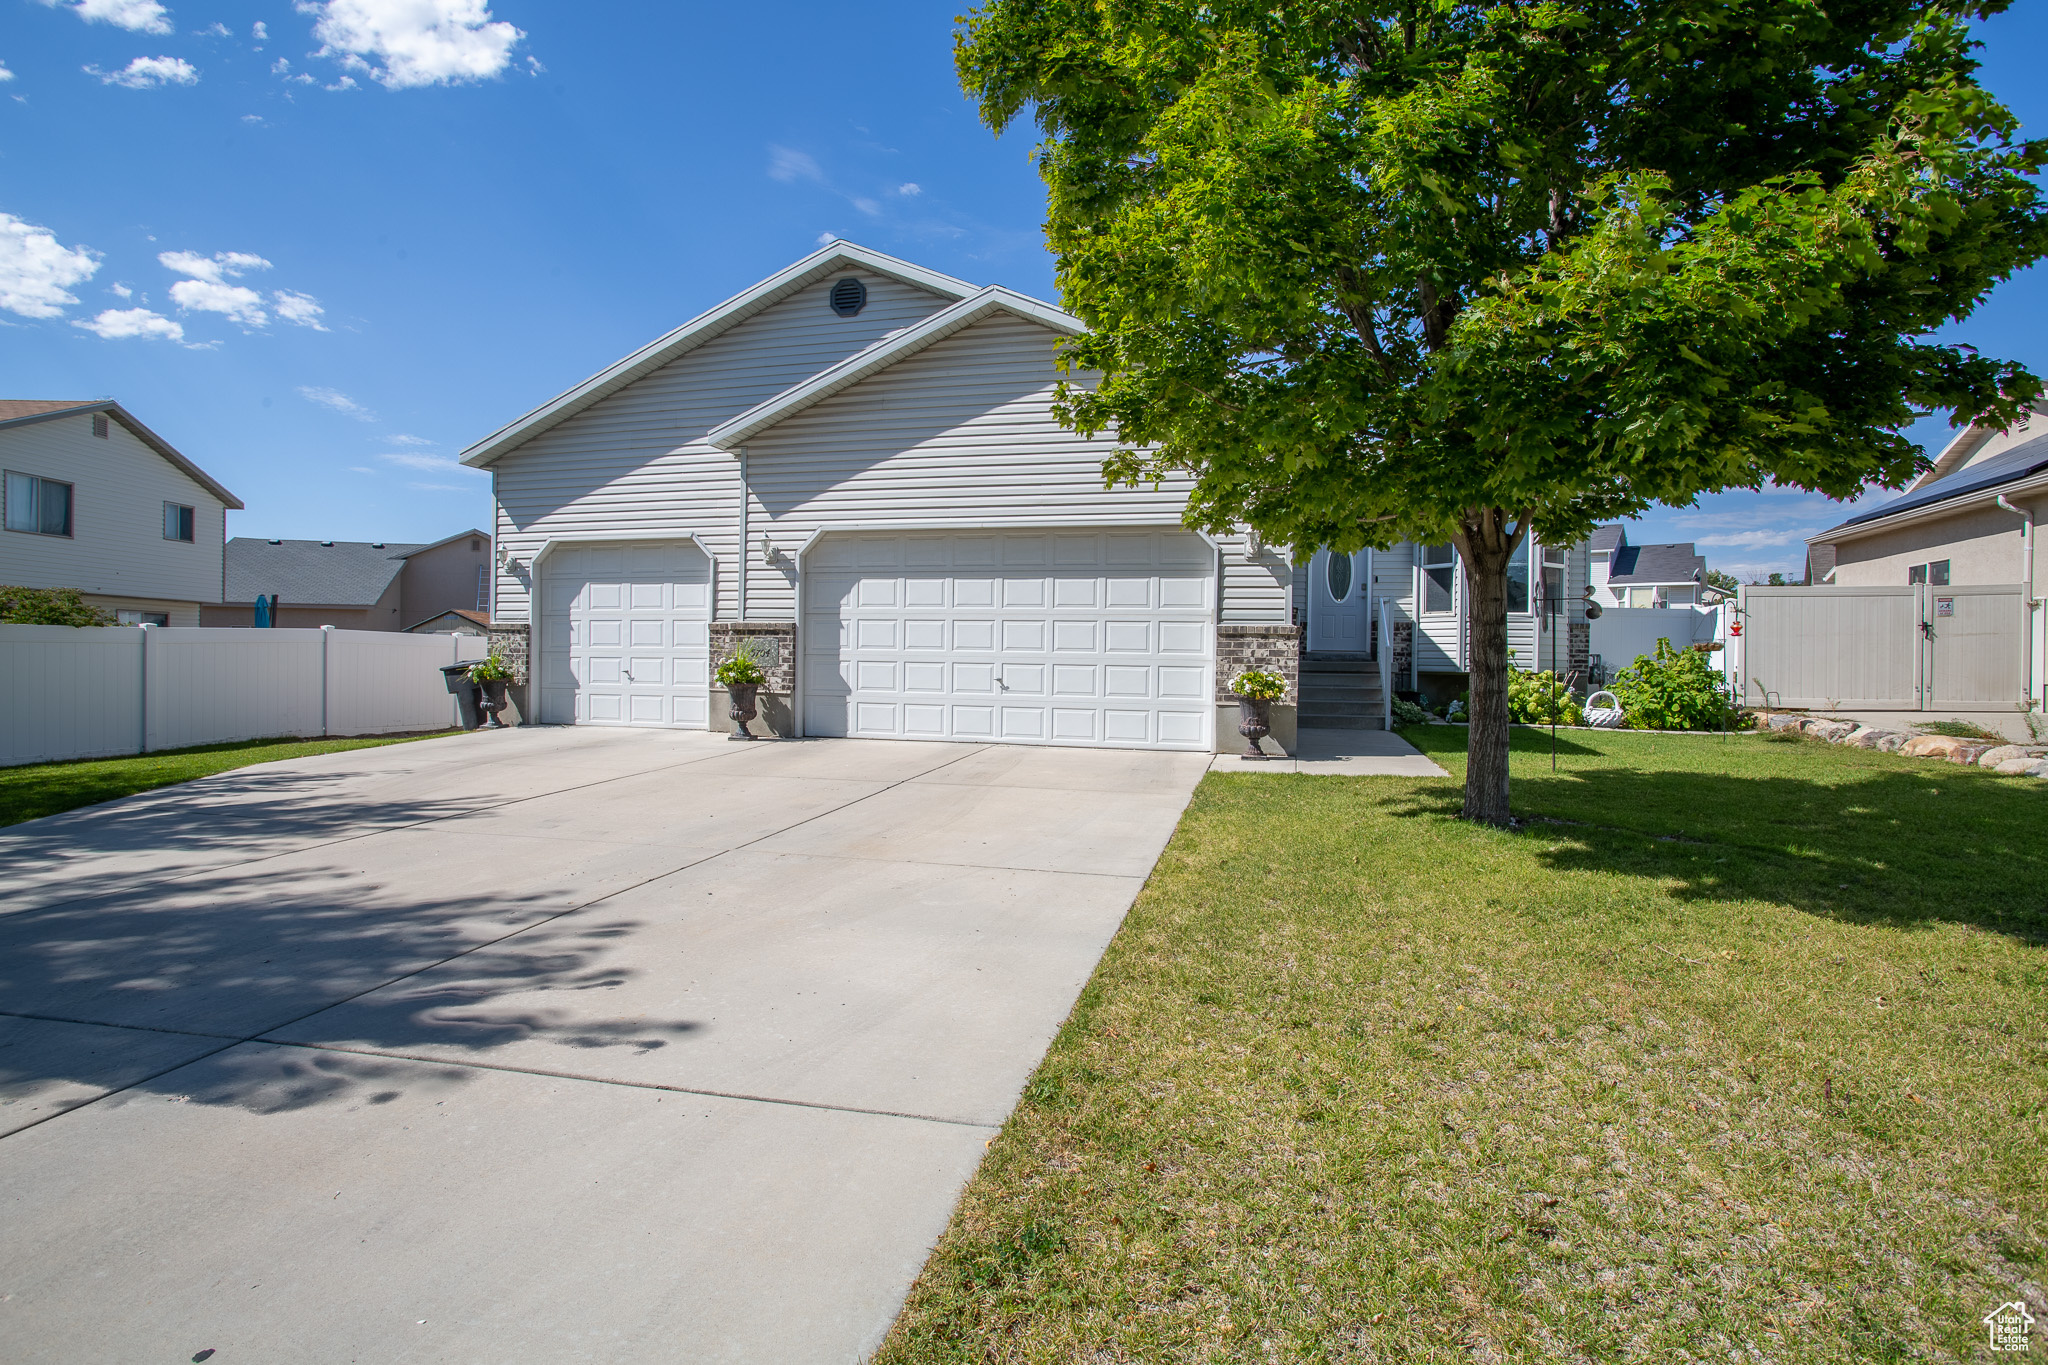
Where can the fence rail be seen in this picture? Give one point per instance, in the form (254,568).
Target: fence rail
(100,692)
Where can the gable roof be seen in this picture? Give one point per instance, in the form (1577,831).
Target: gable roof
(2010,466)
(311,573)
(983,303)
(1650,564)
(702,328)
(475,618)
(1607,538)
(472,532)
(22,412)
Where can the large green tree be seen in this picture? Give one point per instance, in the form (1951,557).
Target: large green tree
(1381,271)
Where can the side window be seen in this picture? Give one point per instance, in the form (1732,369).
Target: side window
(177,521)
(142,618)
(1519,598)
(1553,573)
(1439,577)
(1916,574)
(1937,574)
(39,506)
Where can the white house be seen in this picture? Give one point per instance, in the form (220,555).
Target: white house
(95,500)
(1625,575)
(856,463)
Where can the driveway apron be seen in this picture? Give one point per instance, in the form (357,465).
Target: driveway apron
(552,1044)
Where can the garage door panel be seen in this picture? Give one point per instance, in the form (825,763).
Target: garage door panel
(1079,637)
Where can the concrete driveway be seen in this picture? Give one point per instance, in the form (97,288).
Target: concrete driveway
(548,1045)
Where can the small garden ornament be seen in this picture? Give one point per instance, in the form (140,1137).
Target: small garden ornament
(491,674)
(741,676)
(1256,693)
(1603,715)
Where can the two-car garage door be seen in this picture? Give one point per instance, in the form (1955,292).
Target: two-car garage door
(1035,637)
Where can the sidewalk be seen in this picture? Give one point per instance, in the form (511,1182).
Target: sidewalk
(1340,753)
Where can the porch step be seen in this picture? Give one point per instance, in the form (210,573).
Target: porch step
(1339,692)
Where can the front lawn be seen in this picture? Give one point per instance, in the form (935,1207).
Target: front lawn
(34,790)
(1736,1050)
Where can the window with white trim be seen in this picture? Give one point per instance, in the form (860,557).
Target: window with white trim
(142,618)
(1439,578)
(177,522)
(37,505)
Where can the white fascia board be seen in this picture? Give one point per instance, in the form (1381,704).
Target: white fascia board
(1932,511)
(702,328)
(736,432)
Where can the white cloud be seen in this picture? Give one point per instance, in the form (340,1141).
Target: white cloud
(303,309)
(148,73)
(235,302)
(117,324)
(120,291)
(280,66)
(260,32)
(867,206)
(338,401)
(345,83)
(137,16)
(910,188)
(1751,540)
(36,271)
(427,464)
(216,29)
(409,440)
(5,74)
(437,487)
(214,269)
(827,238)
(418,42)
(252,118)
(360,469)
(789,166)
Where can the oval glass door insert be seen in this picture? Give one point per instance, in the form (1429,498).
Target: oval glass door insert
(1339,575)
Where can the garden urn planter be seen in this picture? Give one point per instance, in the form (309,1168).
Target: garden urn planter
(743,707)
(1254,722)
(494,702)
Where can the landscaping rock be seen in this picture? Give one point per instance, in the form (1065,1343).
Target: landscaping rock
(2014,767)
(1890,741)
(1833,731)
(2002,753)
(1783,722)
(1869,736)
(1935,746)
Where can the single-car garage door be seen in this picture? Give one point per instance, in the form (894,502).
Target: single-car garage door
(1027,637)
(624,635)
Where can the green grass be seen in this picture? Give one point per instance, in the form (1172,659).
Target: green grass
(1734,1050)
(1959,729)
(38,789)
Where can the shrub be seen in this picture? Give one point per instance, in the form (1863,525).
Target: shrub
(1408,713)
(49,607)
(1674,689)
(1540,699)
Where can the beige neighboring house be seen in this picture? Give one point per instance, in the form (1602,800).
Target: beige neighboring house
(95,500)
(453,623)
(1967,521)
(354,584)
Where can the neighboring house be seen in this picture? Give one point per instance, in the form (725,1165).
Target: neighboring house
(856,463)
(1626,575)
(96,501)
(453,623)
(1953,526)
(353,584)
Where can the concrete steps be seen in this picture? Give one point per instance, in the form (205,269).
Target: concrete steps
(1339,692)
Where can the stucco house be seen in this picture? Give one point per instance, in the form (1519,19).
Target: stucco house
(95,500)
(855,463)
(354,584)
(1968,520)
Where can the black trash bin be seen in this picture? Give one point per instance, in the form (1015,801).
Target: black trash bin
(465,692)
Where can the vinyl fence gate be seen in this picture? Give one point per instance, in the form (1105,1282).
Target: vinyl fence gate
(1913,648)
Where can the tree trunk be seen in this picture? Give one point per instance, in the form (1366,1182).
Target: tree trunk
(1486,538)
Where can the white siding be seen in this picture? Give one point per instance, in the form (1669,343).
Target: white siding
(959,435)
(1256,590)
(116,548)
(635,462)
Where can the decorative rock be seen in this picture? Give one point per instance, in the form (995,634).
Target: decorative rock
(1783,722)
(1890,742)
(2002,753)
(2014,767)
(1867,737)
(2040,768)
(1833,731)
(1933,746)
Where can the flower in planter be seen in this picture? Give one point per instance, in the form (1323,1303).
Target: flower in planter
(1259,685)
(743,669)
(492,669)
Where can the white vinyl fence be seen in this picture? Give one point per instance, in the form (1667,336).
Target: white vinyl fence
(100,691)
(1913,647)
(1623,634)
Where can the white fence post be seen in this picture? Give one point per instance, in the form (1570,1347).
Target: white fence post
(326,676)
(149,685)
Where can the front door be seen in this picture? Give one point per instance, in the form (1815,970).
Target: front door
(1339,607)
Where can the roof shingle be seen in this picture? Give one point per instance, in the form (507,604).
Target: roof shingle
(312,573)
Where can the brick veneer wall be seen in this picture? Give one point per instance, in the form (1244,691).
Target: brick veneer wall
(777,640)
(510,643)
(1579,649)
(1404,654)
(1272,649)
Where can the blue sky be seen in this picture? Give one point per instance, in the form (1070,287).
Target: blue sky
(321,247)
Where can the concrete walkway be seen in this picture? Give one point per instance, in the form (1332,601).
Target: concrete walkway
(1340,753)
(548,1045)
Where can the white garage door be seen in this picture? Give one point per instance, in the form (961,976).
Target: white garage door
(1034,637)
(624,639)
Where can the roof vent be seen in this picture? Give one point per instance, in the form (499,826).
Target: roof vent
(849,296)
(277,542)
(327,544)
(376,544)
